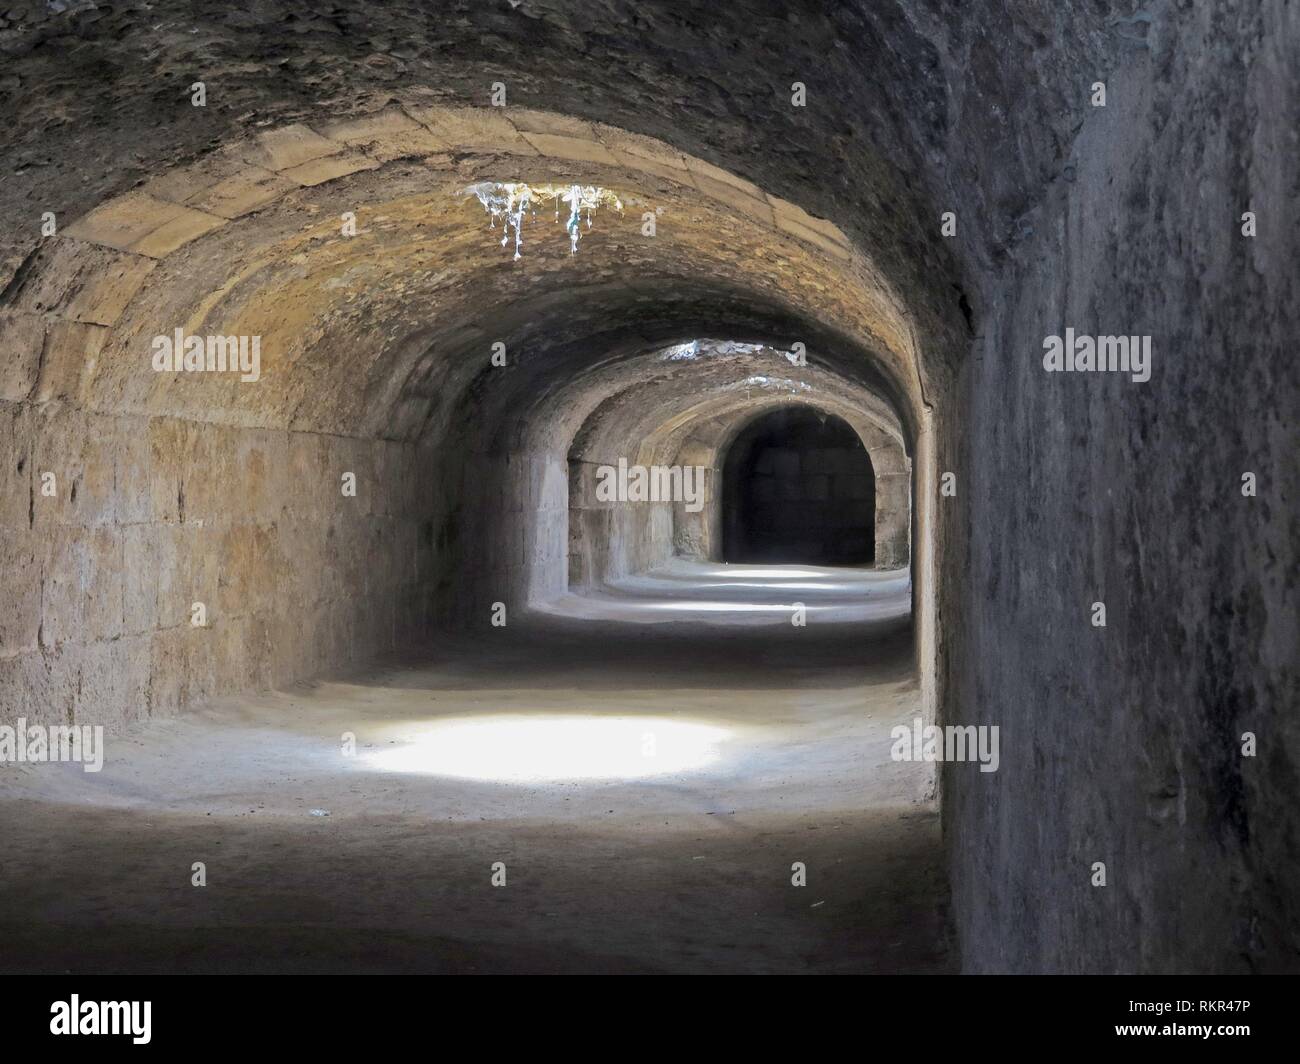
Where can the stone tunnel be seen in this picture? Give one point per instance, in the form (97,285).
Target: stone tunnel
(478,473)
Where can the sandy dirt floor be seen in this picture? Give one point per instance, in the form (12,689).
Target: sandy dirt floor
(647,786)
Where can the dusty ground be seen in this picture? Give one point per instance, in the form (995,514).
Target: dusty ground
(647,787)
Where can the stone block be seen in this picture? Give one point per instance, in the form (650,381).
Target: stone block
(650,166)
(754,205)
(175,668)
(22,338)
(308,482)
(376,126)
(21,558)
(169,588)
(100,583)
(645,149)
(574,148)
(816,231)
(243,192)
(473,128)
(132,468)
(16,442)
(417,143)
(318,171)
(94,495)
(64,561)
(811,236)
(70,356)
(58,447)
(386,134)
(113,687)
(184,184)
(81,282)
(288,147)
(198,574)
(208,471)
(786,211)
(176,232)
(548,122)
(144,561)
(143,224)
(169,440)
(250,565)
(40,685)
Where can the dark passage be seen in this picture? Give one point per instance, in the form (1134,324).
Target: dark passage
(798,486)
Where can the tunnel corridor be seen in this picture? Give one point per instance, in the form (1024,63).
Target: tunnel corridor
(514,487)
(798,488)
(672,774)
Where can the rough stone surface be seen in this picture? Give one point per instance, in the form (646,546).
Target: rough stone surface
(1123,744)
(775,224)
(150,516)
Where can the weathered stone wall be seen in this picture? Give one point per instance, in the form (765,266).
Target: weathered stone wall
(500,533)
(1123,744)
(612,538)
(151,515)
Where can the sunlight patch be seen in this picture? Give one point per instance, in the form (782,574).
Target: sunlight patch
(525,749)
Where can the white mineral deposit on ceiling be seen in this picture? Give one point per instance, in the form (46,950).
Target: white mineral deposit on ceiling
(514,202)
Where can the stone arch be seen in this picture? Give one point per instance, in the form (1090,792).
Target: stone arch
(798,487)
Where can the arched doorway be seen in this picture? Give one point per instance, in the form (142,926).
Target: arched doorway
(798,487)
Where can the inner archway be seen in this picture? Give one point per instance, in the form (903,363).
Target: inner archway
(798,486)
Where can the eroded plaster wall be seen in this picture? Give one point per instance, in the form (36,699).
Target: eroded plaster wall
(1123,745)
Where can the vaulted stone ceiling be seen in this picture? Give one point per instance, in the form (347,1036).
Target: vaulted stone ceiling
(98,104)
(377,285)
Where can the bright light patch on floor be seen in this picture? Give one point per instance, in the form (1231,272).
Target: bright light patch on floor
(770,585)
(696,606)
(528,749)
(772,571)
